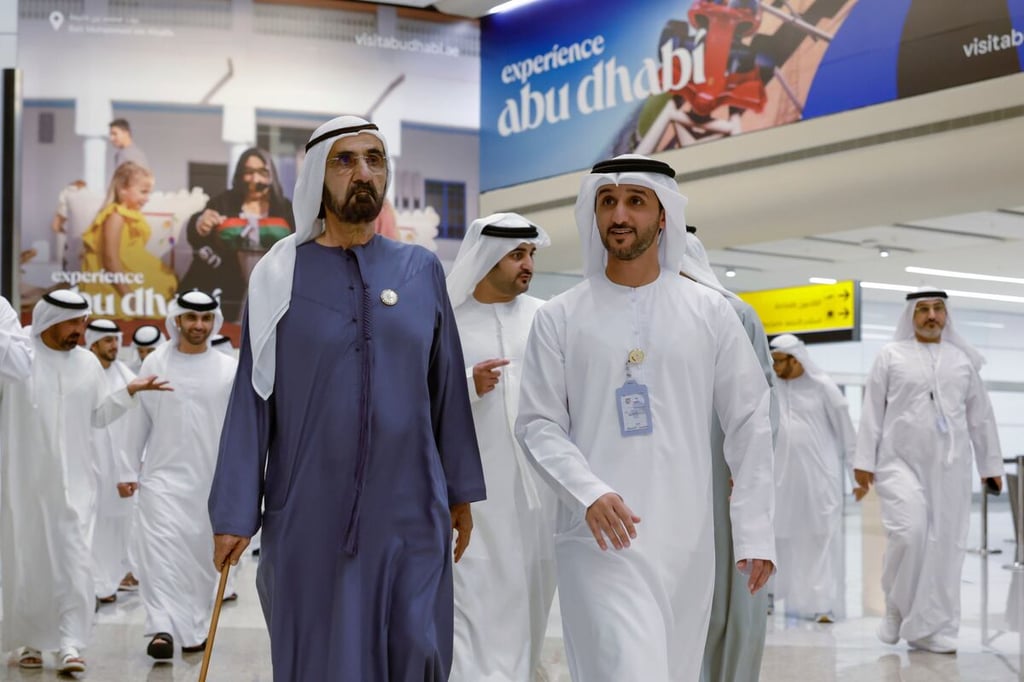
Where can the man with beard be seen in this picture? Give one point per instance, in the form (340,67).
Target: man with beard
(113,463)
(350,414)
(235,229)
(622,376)
(504,584)
(816,440)
(925,413)
(49,485)
(171,550)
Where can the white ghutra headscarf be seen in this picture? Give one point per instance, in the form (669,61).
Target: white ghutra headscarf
(194,301)
(270,285)
(632,169)
(905,326)
(488,240)
(101,329)
(791,345)
(697,267)
(55,307)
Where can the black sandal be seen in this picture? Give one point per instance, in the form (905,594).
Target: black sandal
(161,650)
(194,649)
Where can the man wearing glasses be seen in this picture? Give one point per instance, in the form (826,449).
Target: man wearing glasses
(350,420)
(926,415)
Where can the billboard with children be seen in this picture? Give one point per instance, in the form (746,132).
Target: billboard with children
(665,74)
(163,157)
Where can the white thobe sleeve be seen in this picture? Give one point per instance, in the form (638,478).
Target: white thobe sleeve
(872,414)
(981,425)
(136,437)
(543,424)
(471,386)
(109,405)
(838,411)
(15,346)
(755,332)
(742,400)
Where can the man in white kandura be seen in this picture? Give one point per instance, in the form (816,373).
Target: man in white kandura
(49,485)
(15,345)
(815,445)
(113,463)
(925,409)
(739,619)
(622,375)
(506,580)
(171,550)
(145,340)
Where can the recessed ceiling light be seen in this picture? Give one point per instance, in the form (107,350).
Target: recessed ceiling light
(883,253)
(887,287)
(963,275)
(952,292)
(821,280)
(729,272)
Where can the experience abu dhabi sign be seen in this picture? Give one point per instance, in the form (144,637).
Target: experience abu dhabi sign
(557,95)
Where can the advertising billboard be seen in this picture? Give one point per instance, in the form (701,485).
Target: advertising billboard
(210,104)
(646,77)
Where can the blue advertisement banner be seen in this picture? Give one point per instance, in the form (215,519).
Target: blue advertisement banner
(567,82)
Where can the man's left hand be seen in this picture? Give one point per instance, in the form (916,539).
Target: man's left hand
(759,569)
(150,383)
(997,479)
(462,524)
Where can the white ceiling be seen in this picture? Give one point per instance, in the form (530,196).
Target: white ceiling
(987,242)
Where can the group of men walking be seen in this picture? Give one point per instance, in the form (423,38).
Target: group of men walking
(83,439)
(626,440)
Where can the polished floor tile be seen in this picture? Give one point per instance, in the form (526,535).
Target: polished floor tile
(990,644)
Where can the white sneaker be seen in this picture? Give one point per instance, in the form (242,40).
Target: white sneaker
(889,628)
(937,644)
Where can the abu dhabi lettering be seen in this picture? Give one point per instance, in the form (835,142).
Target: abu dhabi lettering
(607,85)
(143,302)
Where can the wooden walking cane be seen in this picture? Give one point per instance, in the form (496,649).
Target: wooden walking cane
(213,621)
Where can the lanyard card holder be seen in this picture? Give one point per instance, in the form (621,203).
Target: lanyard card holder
(633,405)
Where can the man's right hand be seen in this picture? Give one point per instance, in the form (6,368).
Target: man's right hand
(127,489)
(228,548)
(864,481)
(486,374)
(609,516)
(208,220)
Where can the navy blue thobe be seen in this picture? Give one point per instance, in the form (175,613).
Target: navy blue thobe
(365,442)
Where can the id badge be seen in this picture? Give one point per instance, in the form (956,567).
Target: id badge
(634,407)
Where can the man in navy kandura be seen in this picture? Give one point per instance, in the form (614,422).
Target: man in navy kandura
(351,397)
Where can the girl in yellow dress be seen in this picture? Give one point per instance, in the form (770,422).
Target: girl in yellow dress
(114,247)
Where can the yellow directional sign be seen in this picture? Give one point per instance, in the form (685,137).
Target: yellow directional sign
(807,309)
